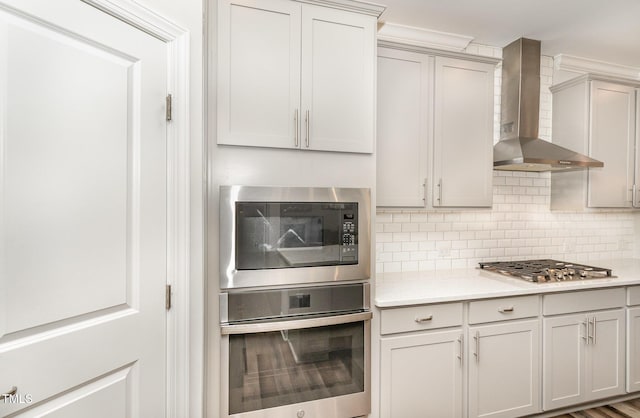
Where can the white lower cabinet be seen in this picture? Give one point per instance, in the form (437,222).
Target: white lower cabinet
(421,375)
(504,364)
(633,349)
(583,357)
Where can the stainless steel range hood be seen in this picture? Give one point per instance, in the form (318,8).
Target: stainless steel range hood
(519,148)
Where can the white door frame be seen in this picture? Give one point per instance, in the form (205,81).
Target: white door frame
(178,195)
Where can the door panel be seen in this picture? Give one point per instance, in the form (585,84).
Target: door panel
(401,135)
(66,176)
(259,83)
(563,360)
(612,142)
(83,212)
(337,80)
(421,372)
(606,355)
(504,375)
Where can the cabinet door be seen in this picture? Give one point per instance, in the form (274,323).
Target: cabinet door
(611,141)
(259,73)
(338,62)
(421,374)
(636,182)
(401,135)
(504,367)
(633,350)
(463,133)
(606,355)
(563,360)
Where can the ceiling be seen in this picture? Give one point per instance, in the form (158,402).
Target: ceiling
(605,30)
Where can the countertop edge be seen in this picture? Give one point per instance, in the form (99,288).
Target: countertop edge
(388,298)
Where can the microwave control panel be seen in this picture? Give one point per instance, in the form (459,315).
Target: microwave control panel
(349,248)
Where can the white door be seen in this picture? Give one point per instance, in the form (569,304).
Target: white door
(402,130)
(421,375)
(463,133)
(633,349)
(259,73)
(504,364)
(612,139)
(83,213)
(563,360)
(337,87)
(606,355)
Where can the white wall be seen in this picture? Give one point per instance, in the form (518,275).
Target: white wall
(188,14)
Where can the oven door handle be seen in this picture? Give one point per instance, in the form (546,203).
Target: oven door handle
(294,324)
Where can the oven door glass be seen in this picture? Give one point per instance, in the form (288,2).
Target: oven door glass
(279,368)
(283,235)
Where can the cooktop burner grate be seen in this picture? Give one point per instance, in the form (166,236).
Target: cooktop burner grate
(542,271)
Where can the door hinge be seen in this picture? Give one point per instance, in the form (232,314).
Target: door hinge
(167,297)
(169,98)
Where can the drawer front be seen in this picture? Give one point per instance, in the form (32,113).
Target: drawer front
(492,310)
(582,301)
(633,295)
(419,318)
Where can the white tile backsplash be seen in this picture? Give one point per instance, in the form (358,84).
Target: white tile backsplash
(508,231)
(519,225)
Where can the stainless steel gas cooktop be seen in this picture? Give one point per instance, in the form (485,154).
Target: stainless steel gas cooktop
(543,271)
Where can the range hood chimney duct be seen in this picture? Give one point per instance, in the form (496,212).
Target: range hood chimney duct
(519,148)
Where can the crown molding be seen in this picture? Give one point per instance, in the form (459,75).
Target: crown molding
(420,37)
(357,6)
(588,65)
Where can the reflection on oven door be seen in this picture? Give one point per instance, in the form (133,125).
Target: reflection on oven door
(273,369)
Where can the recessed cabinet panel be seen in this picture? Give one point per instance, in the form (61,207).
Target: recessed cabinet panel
(633,350)
(563,361)
(606,354)
(337,80)
(421,374)
(401,154)
(504,365)
(612,142)
(463,133)
(259,73)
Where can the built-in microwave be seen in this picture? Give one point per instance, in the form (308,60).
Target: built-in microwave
(273,236)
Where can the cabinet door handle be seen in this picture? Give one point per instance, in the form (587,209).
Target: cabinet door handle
(424,191)
(461,343)
(505,310)
(306,119)
(296,138)
(424,319)
(477,352)
(440,192)
(585,337)
(593,337)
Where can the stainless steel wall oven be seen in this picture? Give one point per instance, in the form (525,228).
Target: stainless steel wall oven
(293,235)
(300,352)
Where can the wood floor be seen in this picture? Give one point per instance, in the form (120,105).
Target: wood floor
(628,409)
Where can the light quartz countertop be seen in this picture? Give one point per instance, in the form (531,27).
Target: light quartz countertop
(423,287)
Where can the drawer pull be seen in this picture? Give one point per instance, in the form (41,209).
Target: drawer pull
(424,319)
(505,310)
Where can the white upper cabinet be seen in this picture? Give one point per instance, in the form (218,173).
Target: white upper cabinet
(435,130)
(463,133)
(402,137)
(597,117)
(294,75)
(611,141)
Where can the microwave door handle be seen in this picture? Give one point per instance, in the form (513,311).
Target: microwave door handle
(253,328)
